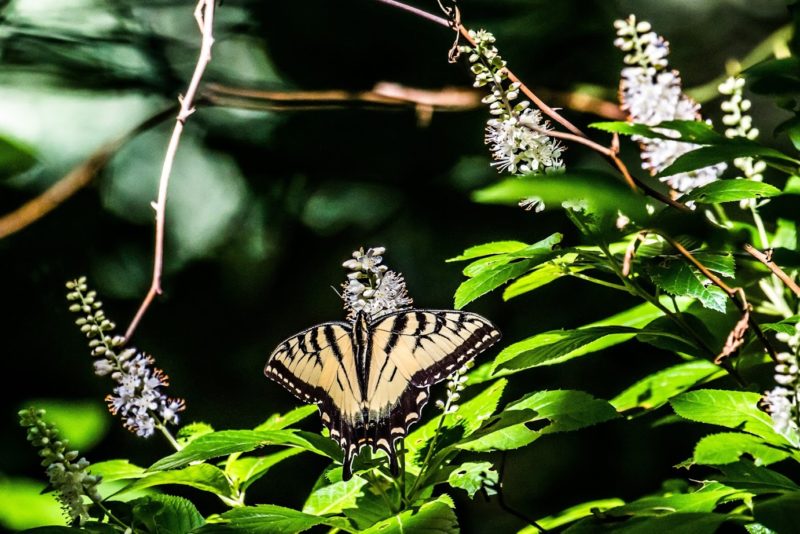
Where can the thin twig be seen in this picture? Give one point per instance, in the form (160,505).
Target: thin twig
(766,259)
(204,14)
(75,180)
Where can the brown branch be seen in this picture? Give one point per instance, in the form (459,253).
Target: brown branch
(204,14)
(766,259)
(75,180)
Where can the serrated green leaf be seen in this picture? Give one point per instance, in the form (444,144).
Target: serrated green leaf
(779,513)
(204,477)
(572,514)
(730,409)
(250,468)
(489,249)
(335,498)
(722,263)
(679,279)
(112,470)
(731,191)
(473,476)
(232,441)
(280,421)
(264,519)
(729,447)
(745,475)
(436,517)
(655,390)
(553,347)
(562,410)
(165,514)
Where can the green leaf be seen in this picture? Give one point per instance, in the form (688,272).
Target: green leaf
(436,517)
(489,280)
(231,441)
(23,505)
(720,262)
(15,157)
(779,513)
(697,132)
(729,447)
(552,270)
(335,498)
(561,410)
(263,518)
(655,390)
(730,409)
(731,191)
(787,326)
(280,421)
(165,514)
(112,470)
(745,475)
(250,468)
(679,279)
(192,431)
(572,514)
(554,347)
(489,249)
(204,477)
(673,523)
(705,156)
(541,250)
(472,476)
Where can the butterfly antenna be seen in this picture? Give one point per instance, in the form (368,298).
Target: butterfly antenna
(337,292)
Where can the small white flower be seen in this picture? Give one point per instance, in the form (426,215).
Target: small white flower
(534,204)
(371,287)
(520,144)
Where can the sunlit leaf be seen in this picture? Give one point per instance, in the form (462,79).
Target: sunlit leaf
(278,421)
(335,498)
(489,249)
(473,476)
(250,468)
(264,518)
(116,470)
(204,477)
(731,409)
(572,514)
(679,279)
(655,390)
(436,517)
(22,505)
(489,280)
(729,447)
(731,191)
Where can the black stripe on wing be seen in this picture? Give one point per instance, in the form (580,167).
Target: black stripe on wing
(438,341)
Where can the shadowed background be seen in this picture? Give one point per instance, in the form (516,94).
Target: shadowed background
(265,205)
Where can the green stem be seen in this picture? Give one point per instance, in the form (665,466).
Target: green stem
(109,514)
(431,448)
(597,281)
(167,434)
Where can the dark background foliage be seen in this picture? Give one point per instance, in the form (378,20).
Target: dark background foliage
(265,206)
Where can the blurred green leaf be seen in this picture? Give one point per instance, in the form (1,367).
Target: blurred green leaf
(472,476)
(23,505)
(731,191)
(729,447)
(335,206)
(731,409)
(335,498)
(83,423)
(658,388)
(435,517)
(15,157)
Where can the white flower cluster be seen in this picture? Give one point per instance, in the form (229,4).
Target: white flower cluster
(740,124)
(517,135)
(782,401)
(137,398)
(651,94)
(67,474)
(371,287)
